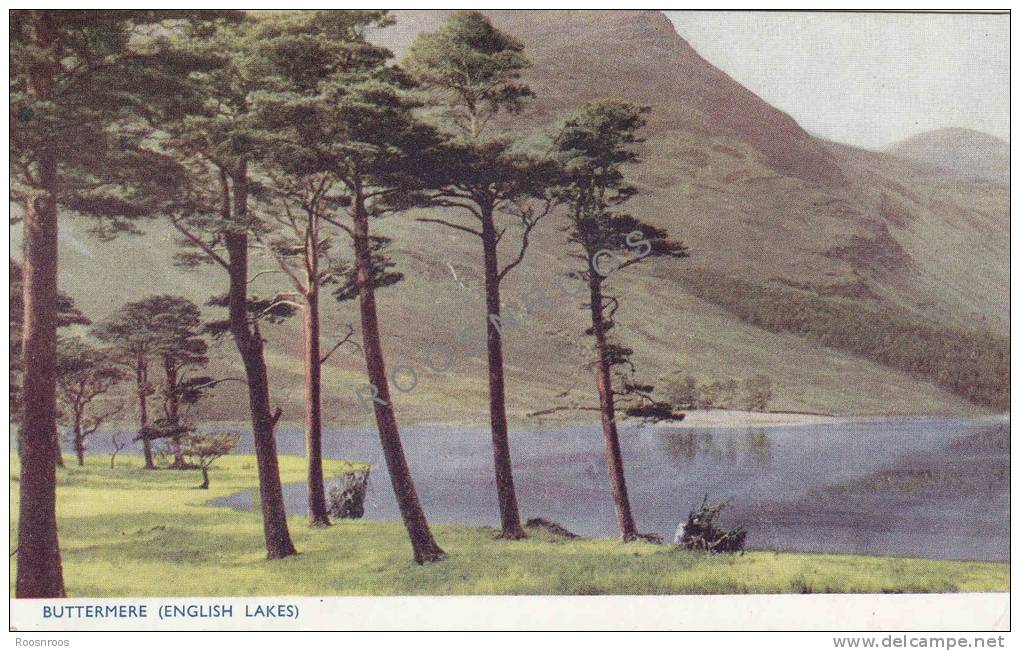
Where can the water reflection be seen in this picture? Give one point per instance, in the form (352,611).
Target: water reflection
(737,446)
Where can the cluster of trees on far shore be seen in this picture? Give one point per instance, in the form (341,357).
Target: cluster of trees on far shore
(753,393)
(280,138)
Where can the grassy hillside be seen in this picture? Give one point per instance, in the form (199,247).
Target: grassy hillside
(972,364)
(131,532)
(670,329)
(753,195)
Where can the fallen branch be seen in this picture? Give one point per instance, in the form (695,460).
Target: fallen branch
(550,410)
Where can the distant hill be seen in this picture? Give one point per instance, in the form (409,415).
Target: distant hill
(754,196)
(967,153)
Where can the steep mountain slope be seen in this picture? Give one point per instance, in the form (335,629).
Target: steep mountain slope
(961,152)
(752,194)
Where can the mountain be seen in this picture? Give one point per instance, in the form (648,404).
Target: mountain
(756,198)
(961,152)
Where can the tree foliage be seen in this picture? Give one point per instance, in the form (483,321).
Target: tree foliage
(472,68)
(101,71)
(470,71)
(68,315)
(86,376)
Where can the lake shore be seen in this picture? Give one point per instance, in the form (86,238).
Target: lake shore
(150,525)
(723,418)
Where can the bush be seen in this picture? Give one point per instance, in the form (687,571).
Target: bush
(700,532)
(683,393)
(348,500)
(757,393)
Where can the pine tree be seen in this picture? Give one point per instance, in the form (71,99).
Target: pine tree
(594,146)
(352,123)
(472,71)
(295,53)
(167,330)
(85,375)
(76,80)
(135,333)
(199,118)
(68,314)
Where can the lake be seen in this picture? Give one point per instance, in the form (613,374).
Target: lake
(927,486)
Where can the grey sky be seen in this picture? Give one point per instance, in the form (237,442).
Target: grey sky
(864,79)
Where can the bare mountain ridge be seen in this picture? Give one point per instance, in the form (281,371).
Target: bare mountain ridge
(960,152)
(637,55)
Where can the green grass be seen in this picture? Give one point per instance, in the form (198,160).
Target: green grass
(131,532)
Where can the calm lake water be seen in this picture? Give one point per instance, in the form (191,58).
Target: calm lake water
(890,486)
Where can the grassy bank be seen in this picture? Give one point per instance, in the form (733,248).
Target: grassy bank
(131,532)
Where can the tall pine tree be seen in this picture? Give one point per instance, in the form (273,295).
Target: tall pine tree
(200,118)
(472,71)
(594,146)
(350,121)
(295,53)
(76,85)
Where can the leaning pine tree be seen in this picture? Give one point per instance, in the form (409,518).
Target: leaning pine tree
(202,123)
(345,118)
(594,145)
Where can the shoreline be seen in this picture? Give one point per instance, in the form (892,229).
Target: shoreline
(706,418)
(726,418)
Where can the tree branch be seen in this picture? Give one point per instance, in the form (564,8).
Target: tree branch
(451,225)
(212,383)
(550,410)
(341,342)
(529,226)
(197,241)
(280,262)
(338,224)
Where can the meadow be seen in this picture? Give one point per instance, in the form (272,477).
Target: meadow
(126,531)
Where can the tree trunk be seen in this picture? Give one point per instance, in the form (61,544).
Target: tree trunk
(173,409)
(205,478)
(318,515)
(142,382)
(509,516)
(40,574)
(249,344)
(78,435)
(79,448)
(60,453)
(603,378)
(425,548)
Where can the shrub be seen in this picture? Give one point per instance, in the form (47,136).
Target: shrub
(757,393)
(348,500)
(700,532)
